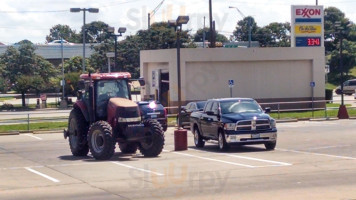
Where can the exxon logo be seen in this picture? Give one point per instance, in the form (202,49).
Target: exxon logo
(307,13)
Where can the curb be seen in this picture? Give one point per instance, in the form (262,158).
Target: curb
(10,133)
(286,120)
(323,119)
(48,131)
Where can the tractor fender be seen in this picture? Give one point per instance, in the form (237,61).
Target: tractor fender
(83,108)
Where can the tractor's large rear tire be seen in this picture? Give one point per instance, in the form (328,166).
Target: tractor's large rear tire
(128,147)
(101,140)
(78,131)
(153,144)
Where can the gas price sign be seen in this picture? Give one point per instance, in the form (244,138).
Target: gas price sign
(308,41)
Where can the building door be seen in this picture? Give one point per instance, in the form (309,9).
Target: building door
(164,89)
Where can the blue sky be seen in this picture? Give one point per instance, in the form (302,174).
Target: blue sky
(32,19)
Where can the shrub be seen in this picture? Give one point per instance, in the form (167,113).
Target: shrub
(328,94)
(7,106)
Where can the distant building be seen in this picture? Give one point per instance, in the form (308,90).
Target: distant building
(243,44)
(52,53)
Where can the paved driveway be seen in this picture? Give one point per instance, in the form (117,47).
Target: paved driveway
(313,160)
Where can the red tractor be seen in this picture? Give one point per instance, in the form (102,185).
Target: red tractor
(104,115)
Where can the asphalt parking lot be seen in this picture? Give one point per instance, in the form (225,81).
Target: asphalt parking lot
(313,160)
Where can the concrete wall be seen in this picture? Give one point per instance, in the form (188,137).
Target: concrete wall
(266,74)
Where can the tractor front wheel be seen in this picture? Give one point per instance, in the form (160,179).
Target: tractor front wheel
(128,147)
(101,140)
(153,144)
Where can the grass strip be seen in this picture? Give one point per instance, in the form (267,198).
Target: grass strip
(34,126)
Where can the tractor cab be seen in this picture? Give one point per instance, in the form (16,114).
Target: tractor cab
(104,86)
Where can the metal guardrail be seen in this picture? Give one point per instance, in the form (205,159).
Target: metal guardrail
(174,109)
(9,118)
(28,118)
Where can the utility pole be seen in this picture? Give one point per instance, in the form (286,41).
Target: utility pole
(204,34)
(149,21)
(212,43)
(151,14)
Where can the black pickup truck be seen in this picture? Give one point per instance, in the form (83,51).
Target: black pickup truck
(233,121)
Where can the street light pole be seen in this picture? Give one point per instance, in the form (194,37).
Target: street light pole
(341,72)
(91,10)
(342,113)
(179,29)
(63,91)
(83,61)
(180,135)
(178,26)
(121,30)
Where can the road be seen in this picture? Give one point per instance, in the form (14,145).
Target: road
(348,99)
(313,160)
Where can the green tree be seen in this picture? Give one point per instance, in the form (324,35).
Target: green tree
(274,35)
(337,26)
(75,64)
(99,59)
(241,32)
(348,61)
(71,86)
(25,70)
(64,31)
(160,36)
(96,32)
(198,36)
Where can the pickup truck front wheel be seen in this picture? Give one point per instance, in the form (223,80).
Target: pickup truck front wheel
(198,141)
(223,146)
(270,145)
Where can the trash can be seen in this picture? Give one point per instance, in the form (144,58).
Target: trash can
(180,140)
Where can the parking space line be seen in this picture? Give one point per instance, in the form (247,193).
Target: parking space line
(41,174)
(261,160)
(38,138)
(276,163)
(317,154)
(329,147)
(139,169)
(215,160)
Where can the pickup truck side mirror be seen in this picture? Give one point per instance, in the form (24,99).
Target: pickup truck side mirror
(267,110)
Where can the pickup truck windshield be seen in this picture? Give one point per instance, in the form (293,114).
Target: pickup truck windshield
(240,107)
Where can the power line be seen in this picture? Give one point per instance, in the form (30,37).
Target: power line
(58,11)
(34,11)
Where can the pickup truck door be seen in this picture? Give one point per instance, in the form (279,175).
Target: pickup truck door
(214,121)
(205,120)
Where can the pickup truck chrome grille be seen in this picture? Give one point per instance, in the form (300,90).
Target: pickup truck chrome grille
(252,125)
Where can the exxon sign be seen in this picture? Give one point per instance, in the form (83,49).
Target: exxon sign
(308,12)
